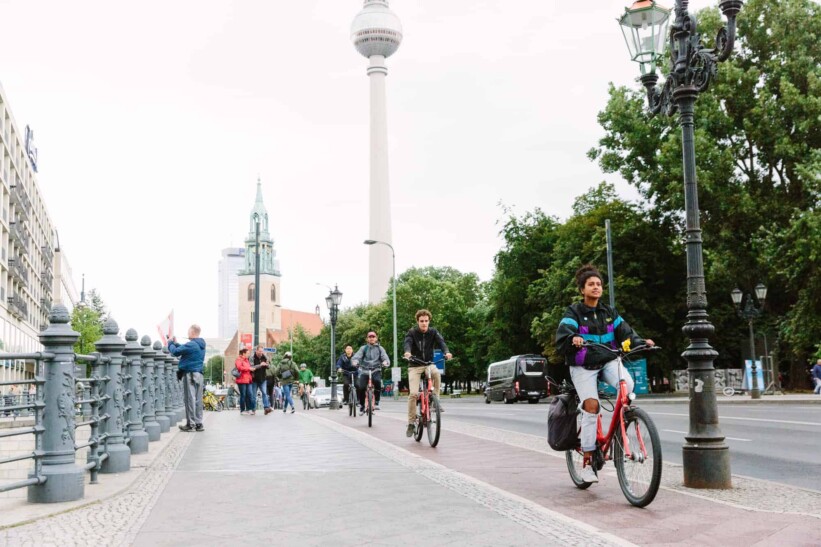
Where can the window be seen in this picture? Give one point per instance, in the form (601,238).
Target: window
(251,292)
(273,293)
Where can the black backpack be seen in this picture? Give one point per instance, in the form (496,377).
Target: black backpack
(562,422)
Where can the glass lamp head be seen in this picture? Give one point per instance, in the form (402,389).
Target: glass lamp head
(329,302)
(736,295)
(761,292)
(336,296)
(644,25)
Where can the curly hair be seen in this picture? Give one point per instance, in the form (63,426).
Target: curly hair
(586,272)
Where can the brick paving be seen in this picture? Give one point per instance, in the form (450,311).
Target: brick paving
(322,477)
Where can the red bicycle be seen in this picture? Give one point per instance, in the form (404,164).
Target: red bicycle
(428,413)
(632,441)
(369,398)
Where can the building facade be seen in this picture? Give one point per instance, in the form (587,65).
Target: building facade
(27,239)
(232,262)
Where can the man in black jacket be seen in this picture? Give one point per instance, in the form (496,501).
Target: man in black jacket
(348,371)
(259,368)
(420,342)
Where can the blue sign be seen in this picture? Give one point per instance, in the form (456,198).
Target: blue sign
(748,375)
(439,360)
(638,371)
(269,350)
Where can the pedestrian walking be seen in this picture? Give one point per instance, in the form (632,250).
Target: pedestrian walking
(345,365)
(287,373)
(306,378)
(276,402)
(260,367)
(816,376)
(192,355)
(247,404)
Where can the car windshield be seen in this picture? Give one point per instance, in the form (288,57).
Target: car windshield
(322,391)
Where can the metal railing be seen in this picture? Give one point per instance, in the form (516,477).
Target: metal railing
(17,306)
(124,377)
(18,407)
(18,270)
(20,198)
(19,235)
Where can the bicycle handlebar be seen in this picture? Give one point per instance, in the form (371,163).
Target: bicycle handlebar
(418,361)
(618,351)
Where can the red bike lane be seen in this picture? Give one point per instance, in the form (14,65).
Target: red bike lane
(673,518)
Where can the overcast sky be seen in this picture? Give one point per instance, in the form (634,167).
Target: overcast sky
(154,118)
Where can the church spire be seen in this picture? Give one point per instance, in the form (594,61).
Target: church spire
(268,262)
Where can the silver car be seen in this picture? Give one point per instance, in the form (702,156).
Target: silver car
(321,396)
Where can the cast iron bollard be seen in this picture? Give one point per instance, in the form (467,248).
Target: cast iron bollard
(178,386)
(152,427)
(170,380)
(64,478)
(111,346)
(161,388)
(133,352)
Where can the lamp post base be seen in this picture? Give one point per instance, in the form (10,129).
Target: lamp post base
(707,466)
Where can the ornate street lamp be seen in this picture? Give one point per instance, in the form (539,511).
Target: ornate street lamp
(692,66)
(256,280)
(333,300)
(750,312)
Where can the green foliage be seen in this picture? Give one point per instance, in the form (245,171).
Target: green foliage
(758,138)
(214,368)
(88,322)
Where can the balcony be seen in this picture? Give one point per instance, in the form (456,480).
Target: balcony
(18,270)
(45,302)
(20,198)
(19,236)
(48,254)
(18,307)
(47,278)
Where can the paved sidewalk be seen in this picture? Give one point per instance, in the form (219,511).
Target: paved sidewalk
(321,477)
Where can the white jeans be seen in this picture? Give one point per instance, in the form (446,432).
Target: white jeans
(587,386)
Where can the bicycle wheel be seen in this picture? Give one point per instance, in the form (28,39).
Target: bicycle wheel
(370,407)
(435,423)
(640,473)
(351,403)
(575,462)
(420,420)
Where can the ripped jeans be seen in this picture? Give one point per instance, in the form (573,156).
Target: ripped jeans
(587,386)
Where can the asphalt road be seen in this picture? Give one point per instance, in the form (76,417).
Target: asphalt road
(777,442)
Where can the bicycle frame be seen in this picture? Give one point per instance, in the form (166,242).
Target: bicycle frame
(424,394)
(369,390)
(622,402)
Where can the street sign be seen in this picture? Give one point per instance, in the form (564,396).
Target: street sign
(269,350)
(396,374)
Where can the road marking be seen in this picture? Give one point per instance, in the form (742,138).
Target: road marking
(791,422)
(728,438)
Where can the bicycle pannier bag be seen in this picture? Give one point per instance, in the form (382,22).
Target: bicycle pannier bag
(235,372)
(562,425)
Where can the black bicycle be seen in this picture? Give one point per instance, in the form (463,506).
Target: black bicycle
(351,393)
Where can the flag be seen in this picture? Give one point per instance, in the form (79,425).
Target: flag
(166,328)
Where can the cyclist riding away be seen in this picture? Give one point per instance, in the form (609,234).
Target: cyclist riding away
(420,341)
(591,320)
(373,357)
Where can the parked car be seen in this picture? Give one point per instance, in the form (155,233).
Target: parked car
(321,396)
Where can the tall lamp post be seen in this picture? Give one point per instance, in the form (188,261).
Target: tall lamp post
(692,66)
(750,312)
(256,280)
(333,300)
(393,254)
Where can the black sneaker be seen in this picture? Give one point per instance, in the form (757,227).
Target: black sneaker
(199,427)
(362,409)
(187,428)
(293,410)
(410,431)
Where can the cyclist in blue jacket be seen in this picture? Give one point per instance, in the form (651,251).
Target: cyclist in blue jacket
(592,320)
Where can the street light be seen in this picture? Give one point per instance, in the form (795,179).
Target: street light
(256,280)
(393,254)
(706,456)
(333,300)
(750,312)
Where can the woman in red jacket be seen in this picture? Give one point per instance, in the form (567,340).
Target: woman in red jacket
(246,405)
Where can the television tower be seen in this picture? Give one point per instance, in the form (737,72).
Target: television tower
(376,33)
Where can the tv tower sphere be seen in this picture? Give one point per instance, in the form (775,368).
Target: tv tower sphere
(376,30)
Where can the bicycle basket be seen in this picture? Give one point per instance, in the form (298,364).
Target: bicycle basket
(562,428)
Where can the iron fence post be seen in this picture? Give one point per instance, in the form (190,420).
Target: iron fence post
(152,426)
(160,389)
(179,405)
(170,392)
(111,346)
(138,438)
(64,478)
